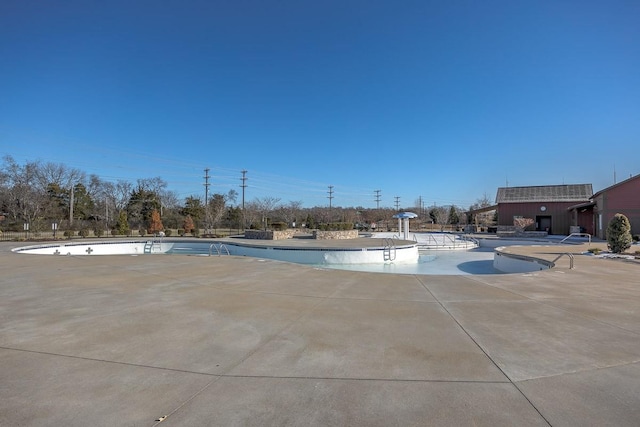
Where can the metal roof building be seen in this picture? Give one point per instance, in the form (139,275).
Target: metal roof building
(545,193)
(546,204)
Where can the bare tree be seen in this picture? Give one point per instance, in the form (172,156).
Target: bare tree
(169,199)
(290,212)
(59,174)
(24,199)
(265,206)
(216,209)
(483,218)
(121,194)
(440,215)
(251,213)
(153,185)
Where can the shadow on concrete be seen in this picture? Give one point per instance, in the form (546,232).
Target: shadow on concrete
(478,267)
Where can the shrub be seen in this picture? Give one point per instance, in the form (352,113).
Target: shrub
(167,232)
(98,232)
(595,251)
(619,234)
(142,232)
(188,224)
(195,232)
(114,232)
(279,226)
(180,231)
(636,237)
(69,233)
(84,232)
(335,226)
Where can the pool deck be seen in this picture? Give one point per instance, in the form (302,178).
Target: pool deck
(224,341)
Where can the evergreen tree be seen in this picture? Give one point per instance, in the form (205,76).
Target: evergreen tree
(141,204)
(453,215)
(234,216)
(619,234)
(82,202)
(122,226)
(193,208)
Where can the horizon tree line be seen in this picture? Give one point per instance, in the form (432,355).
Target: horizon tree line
(44,193)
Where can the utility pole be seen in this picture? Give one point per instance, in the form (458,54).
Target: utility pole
(206,198)
(397,198)
(243,185)
(71,207)
(377,199)
(206,186)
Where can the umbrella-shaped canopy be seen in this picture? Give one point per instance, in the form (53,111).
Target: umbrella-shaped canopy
(404,215)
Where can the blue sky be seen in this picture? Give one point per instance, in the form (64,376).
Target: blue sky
(441,100)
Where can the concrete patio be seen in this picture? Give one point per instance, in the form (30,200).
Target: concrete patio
(232,341)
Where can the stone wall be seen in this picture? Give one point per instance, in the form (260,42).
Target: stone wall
(335,235)
(288,234)
(269,235)
(513,231)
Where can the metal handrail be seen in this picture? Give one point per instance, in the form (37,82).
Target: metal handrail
(577,234)
(454,240)
(388,250)
(470,239)
(570,259)
(219,249)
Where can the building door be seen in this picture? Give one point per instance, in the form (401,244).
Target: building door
(544,223)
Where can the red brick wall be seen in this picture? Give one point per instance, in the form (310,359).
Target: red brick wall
(560,216)
(623,198)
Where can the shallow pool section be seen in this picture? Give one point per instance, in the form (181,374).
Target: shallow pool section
(476,261)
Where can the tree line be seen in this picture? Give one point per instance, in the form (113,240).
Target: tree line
(44,193)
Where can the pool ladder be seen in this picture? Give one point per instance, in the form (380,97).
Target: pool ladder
(569,255)
(152,246)
(219,249)
(389,251)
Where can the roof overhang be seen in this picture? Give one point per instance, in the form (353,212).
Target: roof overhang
(484,209)
(588,204)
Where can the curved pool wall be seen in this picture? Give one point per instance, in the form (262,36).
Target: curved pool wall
(514,263)
(408,259)
(311,255)
(430,240)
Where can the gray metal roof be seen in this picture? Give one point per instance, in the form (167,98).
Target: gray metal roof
(545,193)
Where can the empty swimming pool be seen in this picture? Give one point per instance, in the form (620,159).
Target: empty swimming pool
(351,257)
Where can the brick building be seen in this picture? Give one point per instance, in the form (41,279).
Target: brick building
(594,216)
(548,205)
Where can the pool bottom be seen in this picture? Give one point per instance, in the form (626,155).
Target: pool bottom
(476,262)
